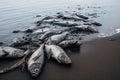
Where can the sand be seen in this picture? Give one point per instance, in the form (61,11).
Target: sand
(98,59)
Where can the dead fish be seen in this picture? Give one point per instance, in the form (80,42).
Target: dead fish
(38,23)
(48,34)
(57,53)
(10,52)
(96,23)
(55,39)
(82,16)
(65,24)
(70,44)
(20,41)
(85,29)
(50,21)
(36,61)
(68,17)
(16,31)
(19,63)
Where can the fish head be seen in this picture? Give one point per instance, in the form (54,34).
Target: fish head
(35,69)
(64,59)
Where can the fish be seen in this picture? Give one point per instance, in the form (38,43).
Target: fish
(82,16)
(38,23)
(65,24)
(17,64)
(36,61)
(20,41)
(84,29)
(61,16)
(55,39)
(58,54)
(96,23)
(10,52)
(70,44)
(48,34)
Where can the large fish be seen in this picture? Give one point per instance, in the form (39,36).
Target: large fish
(19,63)
(55,39)
(57,53)
(36,61)
(10,52)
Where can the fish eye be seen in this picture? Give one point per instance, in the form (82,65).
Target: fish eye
(36,70)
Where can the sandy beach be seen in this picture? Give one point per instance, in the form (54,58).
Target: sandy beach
(97,59)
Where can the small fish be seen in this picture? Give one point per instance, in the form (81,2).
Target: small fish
(65,24)
(20,41)
(55,39)
(36,61)
(84,29)
(57,53)
(70,44)
(96,23)
(48,34)
(10,52)
(82,16)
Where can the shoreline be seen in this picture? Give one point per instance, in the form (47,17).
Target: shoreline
(97,59)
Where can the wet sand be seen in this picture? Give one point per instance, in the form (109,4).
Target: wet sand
(97,59)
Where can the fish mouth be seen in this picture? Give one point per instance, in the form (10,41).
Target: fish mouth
(35,72)
(64,59)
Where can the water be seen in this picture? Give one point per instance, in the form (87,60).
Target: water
(19,14)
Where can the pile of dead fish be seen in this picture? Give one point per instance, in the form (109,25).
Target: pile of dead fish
(48,39)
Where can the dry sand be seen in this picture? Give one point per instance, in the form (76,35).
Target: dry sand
(98,59)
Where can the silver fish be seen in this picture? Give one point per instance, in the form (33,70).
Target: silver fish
(48,34)
(57,53)
(84,29)
(36,61)
(10,52)
(70,43)
(19,63)
(65,24)
(55,39)
(20,41)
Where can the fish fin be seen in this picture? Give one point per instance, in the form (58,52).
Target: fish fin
(58,60)
(49,54)
(23,67)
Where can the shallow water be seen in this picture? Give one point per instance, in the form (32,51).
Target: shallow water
(19,14)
